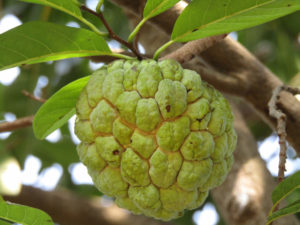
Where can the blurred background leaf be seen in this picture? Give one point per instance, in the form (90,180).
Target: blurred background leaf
(23,214)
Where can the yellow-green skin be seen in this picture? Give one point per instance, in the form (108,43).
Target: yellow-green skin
(154,136)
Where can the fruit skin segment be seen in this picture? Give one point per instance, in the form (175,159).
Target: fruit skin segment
(154,136)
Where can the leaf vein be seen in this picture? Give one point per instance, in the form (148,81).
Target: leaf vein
(15,52)
(67,38)
(37,41)
(224,18)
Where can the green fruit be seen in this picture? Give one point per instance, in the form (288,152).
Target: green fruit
(154,136)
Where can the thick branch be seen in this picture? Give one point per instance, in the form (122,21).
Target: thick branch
(249,78)
(249,185)
(256,84)
(19,123)
(193,48)
(68,209)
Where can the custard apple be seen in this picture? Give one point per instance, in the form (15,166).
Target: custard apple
(154,136)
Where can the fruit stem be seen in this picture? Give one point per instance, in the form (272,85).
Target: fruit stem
(136,30)
(98,8)
(121,56)
(162,48)
(93,28)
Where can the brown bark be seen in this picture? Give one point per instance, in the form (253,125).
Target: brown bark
(19,123)
(245,196)
(188,51)
(67,208)
(232,69)
(256,84)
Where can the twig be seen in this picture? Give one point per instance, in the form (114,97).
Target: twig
(111,33)
(281,125)
(193,48)
(281,129)
(14,125)
(38,99)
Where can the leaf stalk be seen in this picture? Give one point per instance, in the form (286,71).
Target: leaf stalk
(136,30)
(111,33)
(162,48)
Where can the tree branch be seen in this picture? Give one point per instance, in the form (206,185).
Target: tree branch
(111,33)
(226,59)
(193,48)
(256,84)
(249,184)
(281,130)
(67,208)
(35,98)
(17,124)
(281,126)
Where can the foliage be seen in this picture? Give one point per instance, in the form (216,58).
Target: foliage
(32,43)
(70,7)
(23,214)
(284,189)
(64,42)
(226,16)
(58,109)
(152,8)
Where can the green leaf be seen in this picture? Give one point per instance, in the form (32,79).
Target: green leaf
(58,109)
(206,18)
(290,209)
(68,6)
(1,199)
(23,214)
(71,7)
(36,42)
(155,7)
(294,195)
(152,8)
(3,222)
(285,188)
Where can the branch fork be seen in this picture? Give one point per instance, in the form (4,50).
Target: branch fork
(112,34)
